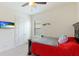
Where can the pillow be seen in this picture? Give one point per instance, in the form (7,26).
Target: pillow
(47,41)
(62,39)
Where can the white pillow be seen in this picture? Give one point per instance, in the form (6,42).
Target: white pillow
(62,39)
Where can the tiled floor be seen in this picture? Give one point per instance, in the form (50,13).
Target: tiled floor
(19,51)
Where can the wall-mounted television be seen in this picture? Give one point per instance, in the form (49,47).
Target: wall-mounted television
(5,24)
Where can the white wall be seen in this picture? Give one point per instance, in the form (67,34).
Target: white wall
(10,38)
(78,10)
(6,35)
(61,17)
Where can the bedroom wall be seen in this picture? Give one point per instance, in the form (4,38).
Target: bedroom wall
(6,35)
(78,10)
(10,38)
(61,18)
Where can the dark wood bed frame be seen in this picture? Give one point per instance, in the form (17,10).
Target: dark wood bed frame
(29,47)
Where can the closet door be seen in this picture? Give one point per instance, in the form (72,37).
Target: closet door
(22,30)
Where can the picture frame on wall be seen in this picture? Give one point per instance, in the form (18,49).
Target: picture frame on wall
(7,25)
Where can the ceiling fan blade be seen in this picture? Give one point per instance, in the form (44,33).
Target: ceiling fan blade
(41,2)
(25,4)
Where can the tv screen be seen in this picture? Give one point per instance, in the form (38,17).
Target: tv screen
(5,24)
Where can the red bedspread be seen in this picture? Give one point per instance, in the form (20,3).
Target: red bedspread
(71,48)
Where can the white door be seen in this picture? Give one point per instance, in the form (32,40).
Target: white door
(23,29)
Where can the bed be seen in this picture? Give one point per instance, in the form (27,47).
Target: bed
(71,48)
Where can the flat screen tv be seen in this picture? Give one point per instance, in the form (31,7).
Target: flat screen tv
(5,24)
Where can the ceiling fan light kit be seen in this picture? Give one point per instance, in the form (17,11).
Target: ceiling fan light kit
(35,7)
(33,4)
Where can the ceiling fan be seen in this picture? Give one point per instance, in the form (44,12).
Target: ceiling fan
(33,3)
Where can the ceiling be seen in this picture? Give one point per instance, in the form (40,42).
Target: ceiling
(16,6)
